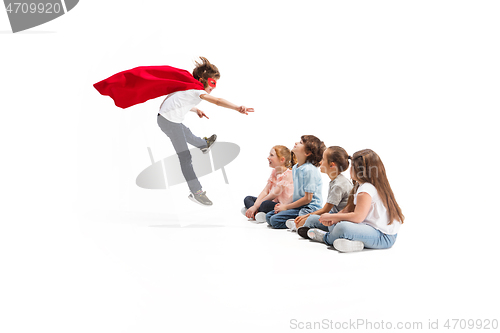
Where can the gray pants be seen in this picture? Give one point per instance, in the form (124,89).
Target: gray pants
(180,135)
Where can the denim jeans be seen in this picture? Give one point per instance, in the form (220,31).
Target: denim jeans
(277,221)
(371,237)
(313,222)
(180,135)
(265,207)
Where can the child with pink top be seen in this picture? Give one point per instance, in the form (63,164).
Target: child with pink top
(279,187)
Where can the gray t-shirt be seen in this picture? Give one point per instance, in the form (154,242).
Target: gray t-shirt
(338,193)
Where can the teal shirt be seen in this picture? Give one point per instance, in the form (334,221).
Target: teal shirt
(307,178)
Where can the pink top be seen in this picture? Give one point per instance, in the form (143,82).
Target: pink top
(285,180)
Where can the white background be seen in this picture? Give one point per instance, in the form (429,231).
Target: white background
(83,249)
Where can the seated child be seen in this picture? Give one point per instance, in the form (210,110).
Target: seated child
(335,161)
(307,183)
(279,187)
(372,217)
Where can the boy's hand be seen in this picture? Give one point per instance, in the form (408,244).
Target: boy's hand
(279,208)
(201,114)
(245,110)
(300,220)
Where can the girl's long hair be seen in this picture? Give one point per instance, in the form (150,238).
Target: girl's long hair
(368,168)
(205,70)
(282,151)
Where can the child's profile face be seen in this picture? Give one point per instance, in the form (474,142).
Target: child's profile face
(273,159)
(324,167)
(210,85)
(299,149)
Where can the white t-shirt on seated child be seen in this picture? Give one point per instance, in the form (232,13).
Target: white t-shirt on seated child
(175,107)
(378,216)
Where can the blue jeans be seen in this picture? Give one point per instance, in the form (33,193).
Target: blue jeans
(265,207)
(277,221)
(180,135)
(313,222)
(371,237)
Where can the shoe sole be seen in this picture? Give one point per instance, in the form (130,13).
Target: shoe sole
(313,236)
(302,231)
(199,203)
(345,245)
(208,149)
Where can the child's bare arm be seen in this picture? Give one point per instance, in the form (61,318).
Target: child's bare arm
(224,103)
(360,212)
(326,208)
(263,196)
(301,202)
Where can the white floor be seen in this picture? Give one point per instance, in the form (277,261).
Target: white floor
(213,270)
(95,270)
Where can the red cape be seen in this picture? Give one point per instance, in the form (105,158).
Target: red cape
(137,85)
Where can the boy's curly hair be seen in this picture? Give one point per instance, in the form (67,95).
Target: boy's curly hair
(205,70)
(314,146)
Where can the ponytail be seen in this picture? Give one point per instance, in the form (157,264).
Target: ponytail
(290,158)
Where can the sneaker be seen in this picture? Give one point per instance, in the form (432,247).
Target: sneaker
(260,217)
(210,141)
(200,198)
(302,231)
(244,211)
(317,235)
(290,224)
(345,245)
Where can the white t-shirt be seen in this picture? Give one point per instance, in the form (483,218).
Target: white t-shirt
(175,107)
(378,216)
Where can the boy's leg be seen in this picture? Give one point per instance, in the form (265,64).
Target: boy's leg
(371,237)
(278,221)
(175,132)
(313,222)
(193,139)
(269,215)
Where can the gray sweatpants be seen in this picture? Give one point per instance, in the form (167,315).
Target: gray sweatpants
(180,135)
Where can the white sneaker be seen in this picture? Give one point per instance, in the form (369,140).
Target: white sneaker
(345,245)
(244,211)
(317,235)
(260,217)
(290,224)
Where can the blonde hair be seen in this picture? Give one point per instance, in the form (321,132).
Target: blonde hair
(282,151)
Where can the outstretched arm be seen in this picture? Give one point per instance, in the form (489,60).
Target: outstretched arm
(222,102)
